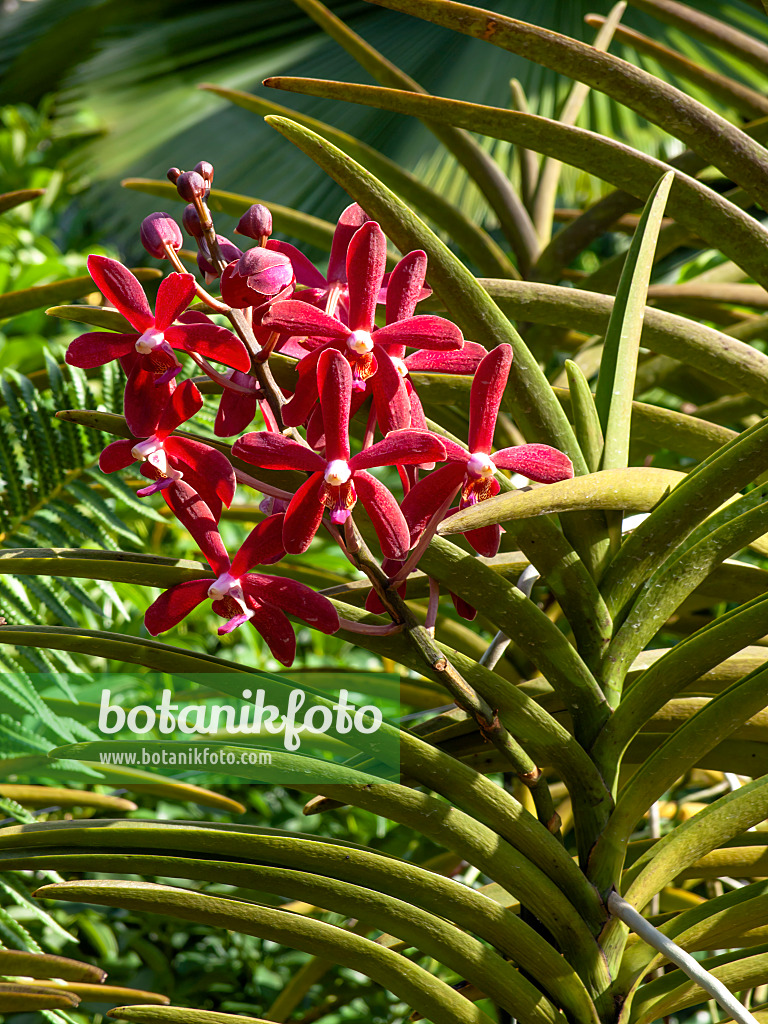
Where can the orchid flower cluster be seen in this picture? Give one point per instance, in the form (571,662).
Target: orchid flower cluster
(348,367)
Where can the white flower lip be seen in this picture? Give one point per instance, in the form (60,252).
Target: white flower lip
(360,342)
(399,365)
(143,449)
(337,472)
(225,584)
(480,464)
(149,341)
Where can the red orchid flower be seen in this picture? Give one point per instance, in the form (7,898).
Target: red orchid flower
(473,471)
(367,355)
(238,594)
(337,479)
(167,460)
(148,355)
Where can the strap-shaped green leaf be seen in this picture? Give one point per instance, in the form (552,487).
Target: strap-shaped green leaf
(45,965)
(8,200)
(616,381)
(677,669)
(674,991)
(473,239)
(749,102)
(179,1015)
(712,827)
(432,997)
(545,197)
(714,722)
(661,103)
(715,31)
(484,171)
(710,484)
(707,214)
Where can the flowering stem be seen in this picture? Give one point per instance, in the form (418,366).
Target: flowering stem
(259,485)
(220,378)
(205,296)
(463,693)
(423,542)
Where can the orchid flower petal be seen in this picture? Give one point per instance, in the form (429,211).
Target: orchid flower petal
(429,332)
(212,466)
(98,347)
(304,270)
(122,290)
(117,455)
(276,451)
(351,219)
(299,318)
(387,519)
(536,461)
(195,515)
(174,605)
(485,397)
(173,296)
(334,383)
(465,360)
(304,515)
(211,342)
(295,598)
(426,497)
(185,401)
(405,284)
(145,400)
(262,546)
(406,447)
(366,262)
(276,630)
(390,397)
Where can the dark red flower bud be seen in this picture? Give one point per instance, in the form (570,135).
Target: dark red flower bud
(256,222)
(172,174)
(265,271)
(205,170)
(159,230)
(191,185)
(229,253)
(191,222)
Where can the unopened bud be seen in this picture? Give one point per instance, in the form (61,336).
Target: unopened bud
(229,252)
(172,174)
(266,272)
(256,222)
(205,170)
(191,185)
(158,231)
(191,222)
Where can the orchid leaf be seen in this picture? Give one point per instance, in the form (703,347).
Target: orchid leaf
(703,211)
(179,1015)
(9,200)
(639,488)
(18,962)
(481,167)
(409,982)
(662,104)
(717,823)
(616,382)
(476,243)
